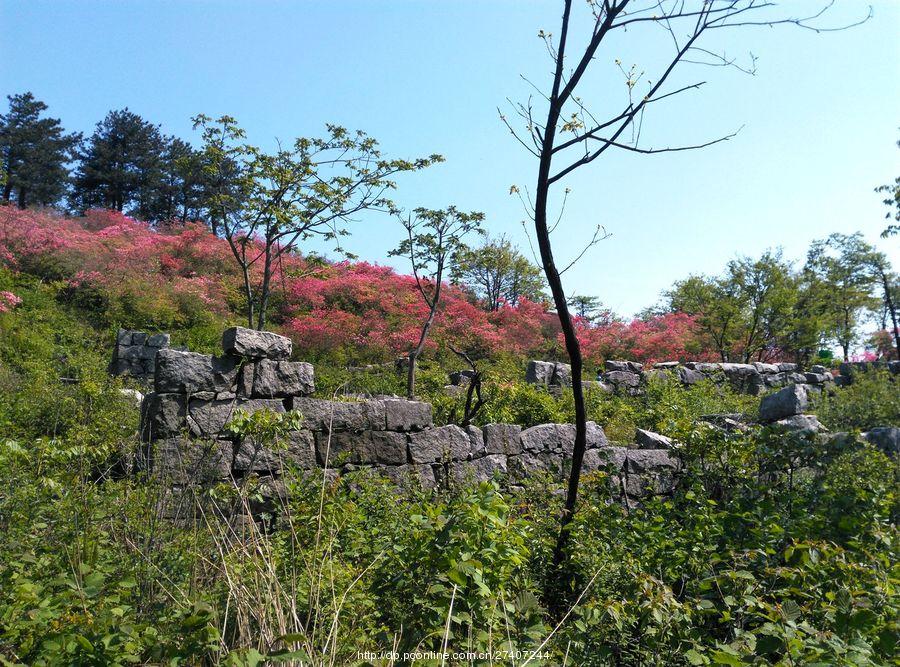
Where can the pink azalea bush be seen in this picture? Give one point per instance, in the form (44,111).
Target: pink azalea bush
(182,275)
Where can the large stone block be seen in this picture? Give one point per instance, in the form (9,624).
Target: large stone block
(476,441)
(650,440)
(322,415)
(443,443)
(296,449)
(802,424)
(366,447)
(402,415)
(253,344)
(183,461)
(159,340)
(524,465)
(638,461)
(792,400)
(479,470)
(611,459)
(689,376)
(162,416)
(207,418)
(627,366)
(503,439)
(886,438)
(416,474)
(560,437)
(539,372)
(282,378)
(623,381)
(562,375)
(189,372)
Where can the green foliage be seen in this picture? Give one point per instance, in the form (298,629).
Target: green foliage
(872,400)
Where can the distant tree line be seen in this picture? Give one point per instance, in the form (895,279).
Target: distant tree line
(127,164)
(763,309)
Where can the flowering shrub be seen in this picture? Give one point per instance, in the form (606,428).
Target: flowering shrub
(126,272)
(8,301)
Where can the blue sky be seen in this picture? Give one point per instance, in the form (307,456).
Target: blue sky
(819,119)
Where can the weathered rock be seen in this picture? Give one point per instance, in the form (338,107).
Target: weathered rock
(476,441)
(402,415)
(765,368)
(792,400)
(459,378)
(689,376)
(478,470)
(417,474)
(502,439)
(366,447)
(650,440)
(189,372)
(296,449)
(442,443)
(526,464)
(539,372)
(611,459)
(886,438)
(183,461)
(623,380)
(802,423)
(817,378)
(322,415)
(162,416)
(786,368)
(282,378)
(159,340)
(562,375)
(650,460)
(666,365)
(207,419)
(253,344)
(560,438)
(626,366)
(597,385)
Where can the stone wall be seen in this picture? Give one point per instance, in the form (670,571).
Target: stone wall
(134,353)
(185,441)
(629,377)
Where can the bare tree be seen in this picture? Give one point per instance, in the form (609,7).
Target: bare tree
(571,136)
(434,237)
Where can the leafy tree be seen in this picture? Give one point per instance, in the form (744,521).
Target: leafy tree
(892,201)
(434,238)
(265,204)
(34,152)
(121,166)
(842,265)
(497,273)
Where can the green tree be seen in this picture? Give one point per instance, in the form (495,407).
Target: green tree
(892,201)
(180,187)
(497,273)
(266,204)
(434,238)
(34,153)
(842,264)
(121,167)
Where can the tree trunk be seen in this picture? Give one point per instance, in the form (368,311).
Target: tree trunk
(417,351)
(892,308)
(573,349)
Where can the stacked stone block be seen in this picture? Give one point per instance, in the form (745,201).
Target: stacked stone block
(630,377)
(183,426)
(135,353)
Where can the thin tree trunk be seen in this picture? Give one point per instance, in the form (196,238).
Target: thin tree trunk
(420,347)
(892,308)
(573,349)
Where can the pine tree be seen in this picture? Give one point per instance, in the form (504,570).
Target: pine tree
(122,166)
(34,152)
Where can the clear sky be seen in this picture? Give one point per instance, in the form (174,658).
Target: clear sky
(820,117)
